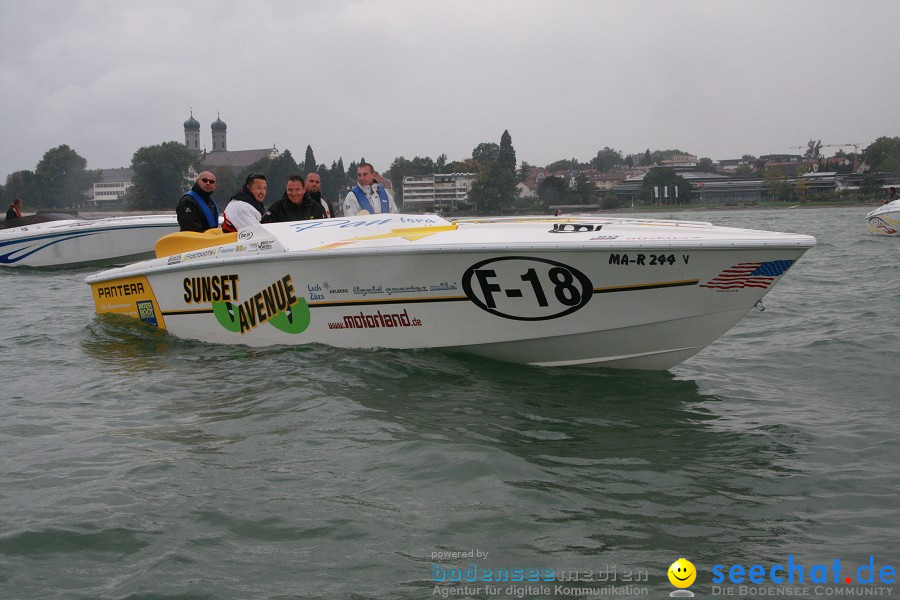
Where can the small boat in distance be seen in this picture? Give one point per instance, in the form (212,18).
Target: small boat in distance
(57,241)
(551,291)
(885,220)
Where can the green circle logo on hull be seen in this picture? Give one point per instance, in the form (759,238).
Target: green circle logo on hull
(294,319)
(277,304)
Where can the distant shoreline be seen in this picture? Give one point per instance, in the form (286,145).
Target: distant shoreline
(99,214)
(697,208)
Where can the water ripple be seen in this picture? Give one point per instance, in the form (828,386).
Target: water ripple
(138,465)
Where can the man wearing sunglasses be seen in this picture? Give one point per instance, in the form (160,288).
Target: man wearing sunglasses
(197,211)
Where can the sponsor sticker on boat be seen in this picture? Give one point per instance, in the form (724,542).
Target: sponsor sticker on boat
(131,296)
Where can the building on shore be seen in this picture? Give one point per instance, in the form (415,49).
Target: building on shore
(442,192)
(715,188)
(109,191)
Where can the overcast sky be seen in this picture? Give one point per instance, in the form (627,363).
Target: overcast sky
(384,78)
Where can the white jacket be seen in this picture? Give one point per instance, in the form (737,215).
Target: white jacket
(240,214)
(351,204)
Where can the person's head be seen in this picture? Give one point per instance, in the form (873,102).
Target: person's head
(18,202)
(891,191)
(313,183)
(294,189)
(256,185)
(207,181)
(365,174)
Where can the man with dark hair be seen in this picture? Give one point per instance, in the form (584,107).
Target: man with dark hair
(246,206)
(295,205)
(368,197)
(15,210)
(197,211)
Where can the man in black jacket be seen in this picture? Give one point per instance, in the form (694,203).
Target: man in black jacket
(314,191)
(295,204)
(197,211)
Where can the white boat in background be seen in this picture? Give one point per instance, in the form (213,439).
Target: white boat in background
(885,220)
(56,240)
(570,290)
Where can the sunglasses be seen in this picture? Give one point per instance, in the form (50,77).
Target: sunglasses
(205,180)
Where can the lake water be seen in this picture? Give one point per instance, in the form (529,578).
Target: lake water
(137,465)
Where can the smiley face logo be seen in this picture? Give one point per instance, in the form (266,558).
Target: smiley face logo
(682,573)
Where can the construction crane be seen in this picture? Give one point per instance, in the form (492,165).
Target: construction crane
(855,151)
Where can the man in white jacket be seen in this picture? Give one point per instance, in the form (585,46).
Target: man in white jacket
(368,196)
(246,206)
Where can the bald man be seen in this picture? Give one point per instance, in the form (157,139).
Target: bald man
(314,191)
(197,211)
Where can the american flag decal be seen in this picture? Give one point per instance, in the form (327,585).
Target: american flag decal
(755,275)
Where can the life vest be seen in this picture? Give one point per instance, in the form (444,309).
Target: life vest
(212,219)
(364,203)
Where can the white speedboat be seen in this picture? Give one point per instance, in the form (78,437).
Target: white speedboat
(571,290)
(68,241)
(884,220)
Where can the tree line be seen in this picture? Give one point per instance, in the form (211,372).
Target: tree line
(61,177)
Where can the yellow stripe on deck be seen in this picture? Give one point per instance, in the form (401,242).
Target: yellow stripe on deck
(408,233)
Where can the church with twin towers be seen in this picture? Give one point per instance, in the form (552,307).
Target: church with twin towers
(220,155)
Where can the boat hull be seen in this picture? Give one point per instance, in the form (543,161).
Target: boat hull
(623,307)
(885,220)
(79,242)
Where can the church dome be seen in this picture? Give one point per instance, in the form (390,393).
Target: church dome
(219,125)
(192,124)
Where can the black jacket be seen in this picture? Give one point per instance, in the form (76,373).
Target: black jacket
(317,197)
(284,210)
(190,217)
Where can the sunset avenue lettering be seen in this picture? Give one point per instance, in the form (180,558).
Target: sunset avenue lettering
(211,288)
(266,304)
(276,304)
(642,260)
(114,291)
